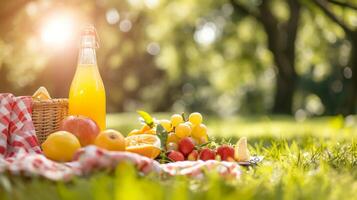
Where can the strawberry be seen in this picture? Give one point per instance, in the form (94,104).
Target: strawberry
(186,145)
(175,156)
(225,152)
(193,155)
(207,154)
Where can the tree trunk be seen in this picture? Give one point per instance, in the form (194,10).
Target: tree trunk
(284,58)
(281,42)
(351,100)
(284,93)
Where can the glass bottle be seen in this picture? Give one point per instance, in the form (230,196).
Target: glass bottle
(87,93)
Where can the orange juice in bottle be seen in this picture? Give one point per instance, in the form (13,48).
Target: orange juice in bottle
(87,93)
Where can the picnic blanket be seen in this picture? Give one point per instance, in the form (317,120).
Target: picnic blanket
(20,152)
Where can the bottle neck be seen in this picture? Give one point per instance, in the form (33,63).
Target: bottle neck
(87,55)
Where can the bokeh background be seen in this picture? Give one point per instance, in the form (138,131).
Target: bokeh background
(282,73)
(220,57)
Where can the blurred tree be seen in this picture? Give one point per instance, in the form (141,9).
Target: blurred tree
(350,104)
(212,63)
(9,10)
(281,36)
(218,56)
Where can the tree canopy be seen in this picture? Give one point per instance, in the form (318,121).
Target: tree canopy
(216,56)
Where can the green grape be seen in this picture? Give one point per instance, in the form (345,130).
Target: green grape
(176,119)
(183,130)
(195,118)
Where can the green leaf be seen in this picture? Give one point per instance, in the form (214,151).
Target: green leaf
(162,134)
(146,117)
(163,158)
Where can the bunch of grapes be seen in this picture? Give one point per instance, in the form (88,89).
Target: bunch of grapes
(178,129)
(187,139)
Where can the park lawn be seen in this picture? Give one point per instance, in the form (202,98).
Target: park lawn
(255,126)
(314,159)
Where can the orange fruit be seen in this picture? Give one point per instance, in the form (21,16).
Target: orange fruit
(151,131)
(145,144)
(111,140)
(135,132)
(144,130)
(60,146)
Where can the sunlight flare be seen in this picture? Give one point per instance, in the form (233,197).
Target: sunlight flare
(58,30)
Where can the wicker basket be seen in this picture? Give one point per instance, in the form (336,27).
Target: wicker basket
(47,116)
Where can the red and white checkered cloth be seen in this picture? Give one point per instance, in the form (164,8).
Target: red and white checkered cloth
(20,152)
(16,127)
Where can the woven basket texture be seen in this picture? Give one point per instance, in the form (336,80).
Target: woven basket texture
(47,116)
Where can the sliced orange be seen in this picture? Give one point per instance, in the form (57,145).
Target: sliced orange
(144,130)
(144,144)
(135,132)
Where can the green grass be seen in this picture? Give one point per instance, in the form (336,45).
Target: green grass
(255,126)
(315,159)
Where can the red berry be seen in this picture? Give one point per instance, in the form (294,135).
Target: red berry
(207,154)
(186,145)
(176,156)
(226,152)
(193,155)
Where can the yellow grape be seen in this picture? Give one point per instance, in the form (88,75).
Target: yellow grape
(172,138)
(183,130)
(201,140)
(189,124)
(195,118)
(166,124)
(176,119)
(199,131)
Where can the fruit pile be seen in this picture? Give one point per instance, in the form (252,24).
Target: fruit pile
(187,139)
(76,132)
(177,139)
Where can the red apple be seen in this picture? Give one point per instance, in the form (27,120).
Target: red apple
(84,128)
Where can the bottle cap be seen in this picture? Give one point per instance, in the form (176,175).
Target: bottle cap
(89,36)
